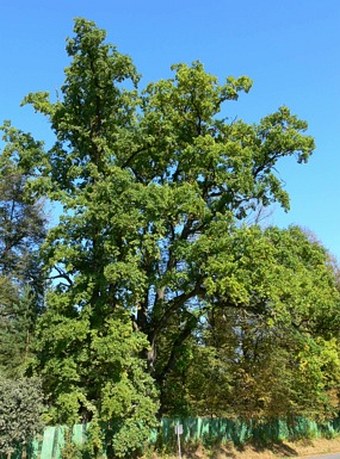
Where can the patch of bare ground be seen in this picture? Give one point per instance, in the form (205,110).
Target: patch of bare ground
(303,448)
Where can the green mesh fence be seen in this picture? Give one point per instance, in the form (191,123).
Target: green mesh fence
(207,430)
(204,430)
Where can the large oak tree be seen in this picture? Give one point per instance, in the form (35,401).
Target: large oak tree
(153,184)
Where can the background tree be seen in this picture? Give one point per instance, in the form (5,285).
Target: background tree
(21,408)
(270,347)
(22,230)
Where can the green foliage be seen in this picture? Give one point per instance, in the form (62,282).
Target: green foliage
(97,374)
(270,347)
(71,450)
(21,407)
(18,316)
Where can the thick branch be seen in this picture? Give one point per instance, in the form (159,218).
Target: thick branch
(174,305)
(188,328)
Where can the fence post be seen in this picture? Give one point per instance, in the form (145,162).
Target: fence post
(179,431)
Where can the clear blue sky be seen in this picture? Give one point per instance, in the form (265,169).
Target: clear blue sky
(290,48)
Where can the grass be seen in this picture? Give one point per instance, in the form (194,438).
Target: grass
(280,450)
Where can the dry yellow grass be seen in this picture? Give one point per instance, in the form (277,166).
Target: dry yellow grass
(283,450)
